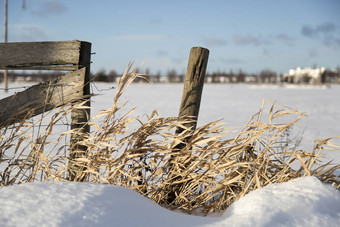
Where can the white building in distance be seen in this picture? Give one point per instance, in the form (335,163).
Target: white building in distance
(304,75)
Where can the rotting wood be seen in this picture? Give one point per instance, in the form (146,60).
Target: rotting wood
(79,122)
(42,97)
(6,37)
(193,87)
(190,105)
(62,55)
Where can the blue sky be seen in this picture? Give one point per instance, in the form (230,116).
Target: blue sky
(245,34)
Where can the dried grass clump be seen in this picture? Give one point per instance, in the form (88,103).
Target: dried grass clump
(208,172)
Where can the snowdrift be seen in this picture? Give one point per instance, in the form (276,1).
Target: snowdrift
(301,202)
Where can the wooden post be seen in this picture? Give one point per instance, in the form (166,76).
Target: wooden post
(193,86)
(6,36)
(190,105)
(79,121)
(62,55)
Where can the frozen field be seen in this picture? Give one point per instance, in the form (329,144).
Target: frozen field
(300,202)
(235,104)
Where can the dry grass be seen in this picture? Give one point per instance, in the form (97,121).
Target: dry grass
(208,173)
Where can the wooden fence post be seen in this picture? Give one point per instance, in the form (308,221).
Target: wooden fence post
(63,55)
(193,86)
(6,37)
(190,104)
(79,121)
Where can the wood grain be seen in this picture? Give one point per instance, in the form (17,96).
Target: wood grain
(42,97)
(193,85)
(62,55)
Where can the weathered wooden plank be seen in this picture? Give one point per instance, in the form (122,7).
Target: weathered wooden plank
(35,55)
(45,67)
(42,97)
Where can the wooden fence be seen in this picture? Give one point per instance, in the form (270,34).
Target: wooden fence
(74,56)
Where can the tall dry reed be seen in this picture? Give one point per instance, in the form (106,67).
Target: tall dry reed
(209,172)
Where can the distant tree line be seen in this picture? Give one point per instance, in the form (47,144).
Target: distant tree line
(172,76)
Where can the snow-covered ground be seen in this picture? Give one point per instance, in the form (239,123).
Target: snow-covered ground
(301,202)
(235,104)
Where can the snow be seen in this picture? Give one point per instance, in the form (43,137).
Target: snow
(236,103)
(300,202)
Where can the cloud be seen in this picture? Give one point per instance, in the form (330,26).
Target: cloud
(134,37)
(211,41)
(242,40)
(326,33)
(284,38)
(27,32)
(54,7)
(320,30)
(308,31)
(331,41)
